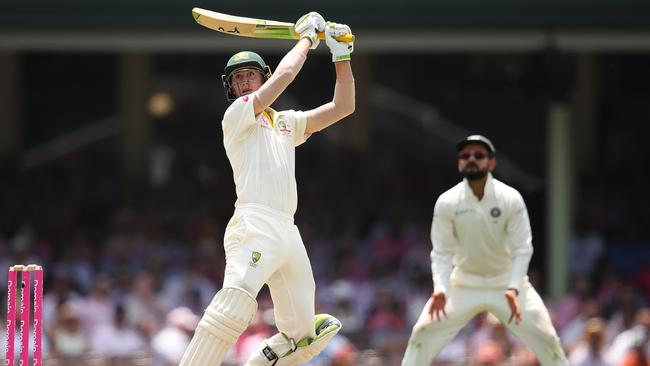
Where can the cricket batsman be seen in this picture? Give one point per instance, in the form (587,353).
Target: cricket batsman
(261,242)
(482,245)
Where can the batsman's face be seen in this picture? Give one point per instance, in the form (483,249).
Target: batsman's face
(246,81)
(474,161)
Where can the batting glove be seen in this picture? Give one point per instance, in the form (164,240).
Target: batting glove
(340,50)
(308,25)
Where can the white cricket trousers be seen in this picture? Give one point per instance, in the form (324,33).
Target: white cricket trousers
(535,330)
(263,245)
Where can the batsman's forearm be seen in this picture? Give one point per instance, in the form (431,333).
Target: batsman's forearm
(286,72)
(344,90)
(292,62)
(342,104)
(344,71)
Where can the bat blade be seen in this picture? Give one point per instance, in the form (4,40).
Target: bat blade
(251,27)
(242,26)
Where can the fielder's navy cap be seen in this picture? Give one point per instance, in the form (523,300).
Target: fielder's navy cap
(476,139)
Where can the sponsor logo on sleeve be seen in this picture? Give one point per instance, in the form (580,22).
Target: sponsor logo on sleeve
(264,122)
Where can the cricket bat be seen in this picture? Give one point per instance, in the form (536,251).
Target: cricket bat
(250,27)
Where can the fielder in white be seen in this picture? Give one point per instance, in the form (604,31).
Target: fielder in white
(482,245)
(261,242)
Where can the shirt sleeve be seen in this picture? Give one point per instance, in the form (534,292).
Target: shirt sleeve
(238,119)
(520,242)
(299,121)
(444,246)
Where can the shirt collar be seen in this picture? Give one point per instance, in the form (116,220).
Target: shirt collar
(489,184)
(269,114)
(488,191)
(272,113)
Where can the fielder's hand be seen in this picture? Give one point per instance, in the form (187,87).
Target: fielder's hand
(340,50)
(513,303)
(308,25)
(438,302)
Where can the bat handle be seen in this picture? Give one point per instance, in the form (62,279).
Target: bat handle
(344,38)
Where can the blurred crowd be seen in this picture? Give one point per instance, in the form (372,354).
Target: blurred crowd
(129,271)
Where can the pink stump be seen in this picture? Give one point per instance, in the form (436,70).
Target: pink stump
(38,317)
(11,317)
(25,308)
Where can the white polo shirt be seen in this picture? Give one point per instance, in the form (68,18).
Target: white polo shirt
(488,243)
(261,153)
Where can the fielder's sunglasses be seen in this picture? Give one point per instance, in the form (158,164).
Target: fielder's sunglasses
(478,155)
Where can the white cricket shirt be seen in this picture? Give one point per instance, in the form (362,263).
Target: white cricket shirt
(488,242)
(261,153)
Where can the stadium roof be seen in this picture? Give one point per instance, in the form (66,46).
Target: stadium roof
(384,24)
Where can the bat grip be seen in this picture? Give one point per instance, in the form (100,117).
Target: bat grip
(347,38)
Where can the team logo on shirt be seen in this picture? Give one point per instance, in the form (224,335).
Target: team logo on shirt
(495,212)
(255,257)
(284,129)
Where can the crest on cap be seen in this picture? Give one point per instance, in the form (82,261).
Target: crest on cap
(243,55)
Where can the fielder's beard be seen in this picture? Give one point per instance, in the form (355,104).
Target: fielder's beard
(474,175)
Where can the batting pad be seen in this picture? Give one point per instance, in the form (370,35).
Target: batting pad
(227,316)
(296,353)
